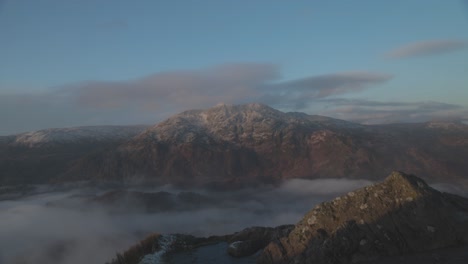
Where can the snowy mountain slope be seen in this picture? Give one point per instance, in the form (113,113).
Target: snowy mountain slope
(233,145)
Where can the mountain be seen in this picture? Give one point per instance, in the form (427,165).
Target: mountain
(237,145)
(76,135)
(231,146)
(399,216)
(399,220)
(38,156)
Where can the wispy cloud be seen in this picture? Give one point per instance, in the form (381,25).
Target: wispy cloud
(144,100)
(152,98)
(426,48)
(376,112)
(179,89)
(299,94)
(232,83)
(337,83)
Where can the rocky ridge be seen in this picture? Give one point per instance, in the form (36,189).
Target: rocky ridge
(400,216)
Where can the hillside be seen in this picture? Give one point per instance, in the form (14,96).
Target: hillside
(238,145)
(39,156)
(232,146)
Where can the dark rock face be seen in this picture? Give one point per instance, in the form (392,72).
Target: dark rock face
(236,146)
(251,240)
(401,215)
(154,247)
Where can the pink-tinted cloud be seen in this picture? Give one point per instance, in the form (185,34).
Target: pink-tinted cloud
(376,112)
(335,83)
(152,98)
(179,89)
(426,48)
(232,83)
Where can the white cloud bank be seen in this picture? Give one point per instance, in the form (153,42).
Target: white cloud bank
(32,232)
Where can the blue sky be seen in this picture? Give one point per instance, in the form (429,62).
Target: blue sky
(89,62)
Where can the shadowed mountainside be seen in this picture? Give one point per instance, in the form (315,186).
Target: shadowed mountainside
(232,146)
(246,144)
(39,156)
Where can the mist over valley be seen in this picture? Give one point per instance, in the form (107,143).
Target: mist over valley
(90,225)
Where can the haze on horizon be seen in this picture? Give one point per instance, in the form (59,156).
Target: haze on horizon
(95,62)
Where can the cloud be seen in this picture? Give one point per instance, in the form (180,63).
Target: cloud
(426,48)
(33,231)
(322,186)
(151,98)
(377,112)
(299,94)
(337,83)
(33,111)
(179,89)
(233,83)
(60,227)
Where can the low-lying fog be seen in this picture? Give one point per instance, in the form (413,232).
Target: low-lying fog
(90,225)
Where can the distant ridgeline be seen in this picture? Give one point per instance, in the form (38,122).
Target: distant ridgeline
(231,146)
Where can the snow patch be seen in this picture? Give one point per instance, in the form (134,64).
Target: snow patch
(235,245)
(165,243)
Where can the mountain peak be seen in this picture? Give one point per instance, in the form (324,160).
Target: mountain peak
(398,216)
(401,180)
(223,121)
(256,143)
(256,107)
(247,105)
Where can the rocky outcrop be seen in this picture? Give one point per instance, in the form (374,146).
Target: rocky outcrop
(382,222)
(401,215)
(251,240)
(153,248)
